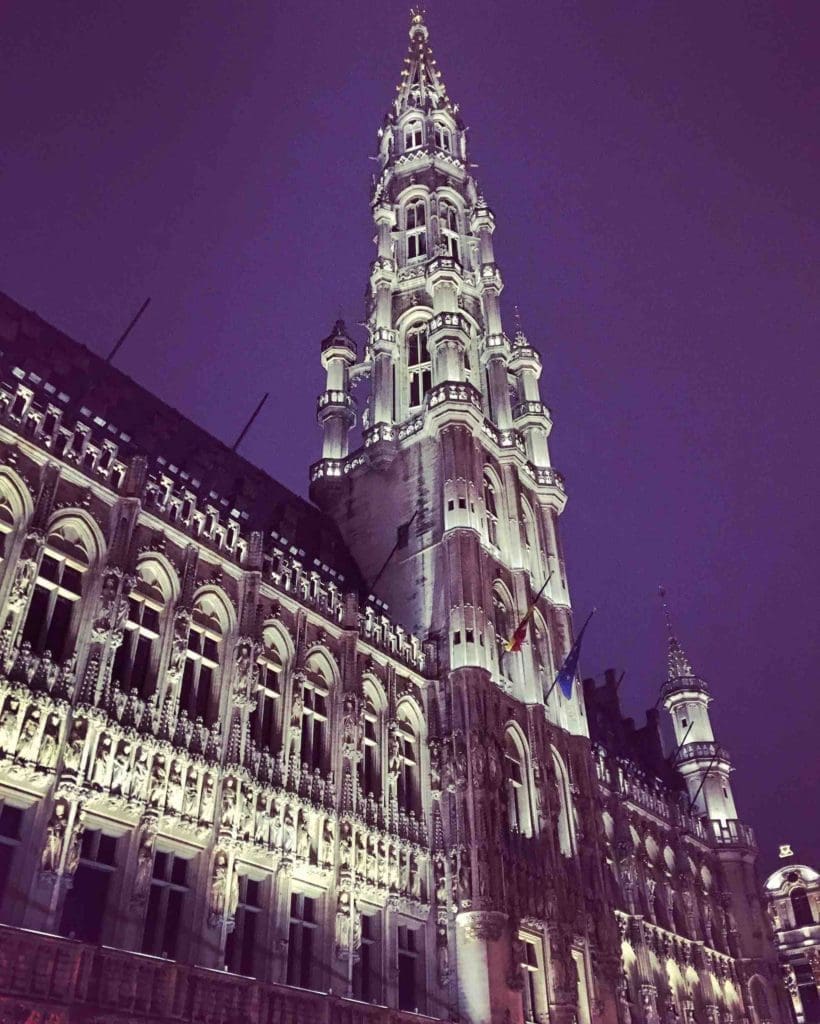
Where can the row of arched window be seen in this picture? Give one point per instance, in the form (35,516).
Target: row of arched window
(415,228)
(415,134)
(63,602)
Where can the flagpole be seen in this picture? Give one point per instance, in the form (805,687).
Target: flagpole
(510,645)
(705,777)
(549,693)
(674,756)
(389,557)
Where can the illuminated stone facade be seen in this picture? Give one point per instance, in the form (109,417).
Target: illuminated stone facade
(217,753)
(793,892)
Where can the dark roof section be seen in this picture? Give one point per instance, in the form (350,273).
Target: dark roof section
(619,735)
(158,431)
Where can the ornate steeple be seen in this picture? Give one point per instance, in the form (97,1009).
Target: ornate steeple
(422,86)
(678,665)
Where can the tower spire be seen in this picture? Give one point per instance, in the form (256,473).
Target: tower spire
(677,661)
(421,86)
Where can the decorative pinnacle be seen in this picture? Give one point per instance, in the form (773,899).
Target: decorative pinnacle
(520,340)
(678,664)
(417,26)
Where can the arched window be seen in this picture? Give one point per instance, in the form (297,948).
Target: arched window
(55,601)
(504,627)
(760,1000)
(135,663)
(491,511)
(519,802)
(265,716)
(543,654)
(370,763)
(448,226)
(203,657)
(566,834)
(419,366)
(413,135)
(801,907)
(315,697)
(415,214)
(406,752)
(6,529)
(442,138)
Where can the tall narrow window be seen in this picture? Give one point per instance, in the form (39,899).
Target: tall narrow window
(240,948)
(413,135)
(301,934)
(566,832)
(408,781)
(518,790)
(801,908)
(201,664)
(366,968)
(314,722)
(169,893)
(535,992)
(504,628)
(56,597)
(85,905)
(135,663)
(442,138)
(448,225)
(265,716)
(418,364)
(371,782)
(411,986)
(491,511)
(11,824)
(416,228)
(6,528)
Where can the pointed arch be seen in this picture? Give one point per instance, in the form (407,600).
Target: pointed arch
(566,829)
(139,656)
(15,495)
(503,626)
(406,744)
(518,781)
(75,527)
(492,495)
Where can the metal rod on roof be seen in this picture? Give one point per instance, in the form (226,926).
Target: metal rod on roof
(127,331)
(248,425)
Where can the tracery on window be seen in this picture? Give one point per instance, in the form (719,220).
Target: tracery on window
(448,227)
(442,138)
(419,364)
(415,221)
(491,510)
(413,135)
(198,695)
(137,657)
(519,799)
(266,715)
(55,600)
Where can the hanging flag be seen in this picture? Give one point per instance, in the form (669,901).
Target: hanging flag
(566,677)
(520,635)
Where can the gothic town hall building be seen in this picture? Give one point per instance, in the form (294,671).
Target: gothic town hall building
(234,786)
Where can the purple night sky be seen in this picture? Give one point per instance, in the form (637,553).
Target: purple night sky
(653,168)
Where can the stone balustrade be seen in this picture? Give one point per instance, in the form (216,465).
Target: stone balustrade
(70,981)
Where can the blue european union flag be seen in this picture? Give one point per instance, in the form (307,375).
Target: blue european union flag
(566,677)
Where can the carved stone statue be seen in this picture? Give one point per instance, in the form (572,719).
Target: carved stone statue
(72,857)
(47,757)
(29,740)
(327,842)
(145,863)
(120,773)
(228,811)
(101,771)
(139,774)
(156,786)
(24,575)
(208,800)
(55,834)
(8,725)
(304,844)
(218,890)
(190,800)
(352,732)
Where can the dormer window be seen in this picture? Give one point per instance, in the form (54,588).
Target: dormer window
(416,224)
(413,135)
(448,223)
(442,138)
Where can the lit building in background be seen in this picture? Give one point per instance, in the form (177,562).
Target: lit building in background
(237,785)
(793,892)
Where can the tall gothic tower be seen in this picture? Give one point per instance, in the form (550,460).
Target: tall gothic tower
(453,476)
(455,435)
